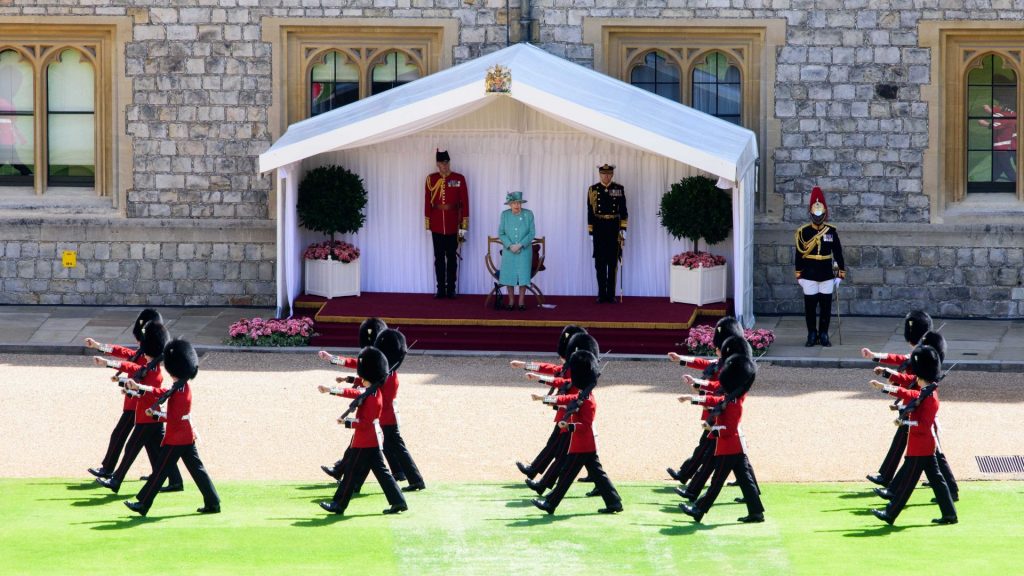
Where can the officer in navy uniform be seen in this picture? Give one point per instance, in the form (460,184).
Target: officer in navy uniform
(606,219)
(817,247)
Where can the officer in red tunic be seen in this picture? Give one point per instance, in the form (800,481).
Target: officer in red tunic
(921,443)
(127,421)
(817,249)
(182,363)
(446,212)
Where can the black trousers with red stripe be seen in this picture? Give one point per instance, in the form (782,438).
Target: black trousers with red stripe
(893,457)
(399,460)
(571,467)
(168,459)
(739,466)
(554,470)
(944,469)
(117,439)
(547,454)
(906,479)
(701,454)
(148,436)
(361,462)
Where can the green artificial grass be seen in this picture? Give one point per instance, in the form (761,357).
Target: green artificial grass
(77,527)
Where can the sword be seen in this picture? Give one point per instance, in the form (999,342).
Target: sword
(622,244)
(839,316)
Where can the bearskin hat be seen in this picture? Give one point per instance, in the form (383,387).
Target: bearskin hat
(147,315)
(372,366)
(935,340)
(727,326)
(926,363)
(392,343)
(817,208)
(582,341)
(736,345)
(585,371)
(563,339)
(915,325)
(369,330)
(154,338)
(737,374)
(181,360)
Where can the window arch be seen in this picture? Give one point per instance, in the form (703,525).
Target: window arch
(71,119)
(334,82)
(17,119)
(393,69)
(340,75)
(716,88)
(991,103)
(657,72)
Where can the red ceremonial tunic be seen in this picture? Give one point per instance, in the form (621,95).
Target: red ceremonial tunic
(367,419)
(153,378)
(130,402)
(583,439)
(558,382)
(179,424)
(446,203)
(921,440)
(389,391)
(728,440)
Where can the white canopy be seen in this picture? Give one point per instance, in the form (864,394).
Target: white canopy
(566,96)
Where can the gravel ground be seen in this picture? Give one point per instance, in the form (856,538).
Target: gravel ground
(470,418)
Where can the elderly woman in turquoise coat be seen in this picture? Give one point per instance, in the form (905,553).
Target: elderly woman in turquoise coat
(516,233)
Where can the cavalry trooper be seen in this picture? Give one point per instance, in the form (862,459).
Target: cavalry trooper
(817,247)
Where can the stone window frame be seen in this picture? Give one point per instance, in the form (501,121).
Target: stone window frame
(687,59)
(955,47)
(102,41)
(364,55)
(751,45)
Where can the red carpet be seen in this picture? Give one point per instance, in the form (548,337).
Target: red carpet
(636,325)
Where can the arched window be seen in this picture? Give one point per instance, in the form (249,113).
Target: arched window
(71,120)
(991,126)
(394,69)
(716,88)
(656,73)
(17,126)
(333,83)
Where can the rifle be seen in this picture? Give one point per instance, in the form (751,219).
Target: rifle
(369,391)
(574,405)
(925,393)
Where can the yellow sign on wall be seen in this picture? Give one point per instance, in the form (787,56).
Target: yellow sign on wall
(69,258)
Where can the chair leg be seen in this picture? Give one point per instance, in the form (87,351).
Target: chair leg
(536,292)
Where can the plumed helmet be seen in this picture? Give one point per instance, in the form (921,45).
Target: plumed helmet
(372,365)
(582,341)
(817,209)
(563,339)
(737,374)
(392,343)
(369,330)
(181,360)
(147,315)
(727,326)
(585,371)
(736,345)
(915,325)
(154,338)
(441,155)
(935,340)
(926,363)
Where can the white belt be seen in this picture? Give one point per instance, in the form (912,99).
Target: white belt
(186,417)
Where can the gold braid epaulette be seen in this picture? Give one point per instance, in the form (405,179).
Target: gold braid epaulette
(805,248)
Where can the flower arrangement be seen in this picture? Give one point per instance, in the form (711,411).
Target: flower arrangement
(697,260)
(700,340)
(271,332)
(331,250)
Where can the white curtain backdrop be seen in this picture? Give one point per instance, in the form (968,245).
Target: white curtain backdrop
(501,147)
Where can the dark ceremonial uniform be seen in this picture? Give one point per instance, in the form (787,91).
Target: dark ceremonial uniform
(365,453)
(816,249)
(124,426)
(148,433)
(446,211)
(179,443)
(582,454)
(606,216)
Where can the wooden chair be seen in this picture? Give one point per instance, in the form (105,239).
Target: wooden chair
(494,248)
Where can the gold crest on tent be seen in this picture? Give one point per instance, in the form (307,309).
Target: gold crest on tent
(499,79)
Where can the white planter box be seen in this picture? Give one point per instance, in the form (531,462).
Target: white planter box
(699,286)
(332,278)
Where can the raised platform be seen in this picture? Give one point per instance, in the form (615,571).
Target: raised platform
(637,325)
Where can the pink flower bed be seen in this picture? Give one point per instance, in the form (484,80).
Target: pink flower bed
(700,340)
(271,332)
(331,250)
(697,260)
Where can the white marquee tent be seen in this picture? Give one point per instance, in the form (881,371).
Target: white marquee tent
(545,137)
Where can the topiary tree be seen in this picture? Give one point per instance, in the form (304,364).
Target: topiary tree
(331,201)
(695,208)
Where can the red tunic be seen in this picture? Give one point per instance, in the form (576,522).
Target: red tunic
(558,382)
(583,440)
(728,441)
(446,203)
(389,391)
(367,419)
(130,402)
(921,440)
(179,423)
(153,378)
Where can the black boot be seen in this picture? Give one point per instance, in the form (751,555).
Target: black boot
(812,339)
(823,338)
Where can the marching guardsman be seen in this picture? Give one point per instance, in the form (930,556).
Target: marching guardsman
(446,216)
(127,421)
(148,433)
(366,450)
(607,221)
(922,407)
(817,247)
(581,409)
(736,378)
(182,363)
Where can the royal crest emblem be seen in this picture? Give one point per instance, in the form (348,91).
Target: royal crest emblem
(499,79)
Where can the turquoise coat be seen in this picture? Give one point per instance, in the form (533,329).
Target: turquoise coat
(516,229)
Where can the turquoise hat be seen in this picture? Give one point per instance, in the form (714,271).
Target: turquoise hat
(514,197)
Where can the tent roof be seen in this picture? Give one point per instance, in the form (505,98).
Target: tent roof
(578,96)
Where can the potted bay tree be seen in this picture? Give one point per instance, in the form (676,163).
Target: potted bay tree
(694,208)
(332,201)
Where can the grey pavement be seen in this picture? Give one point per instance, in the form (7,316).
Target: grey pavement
(975,344)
